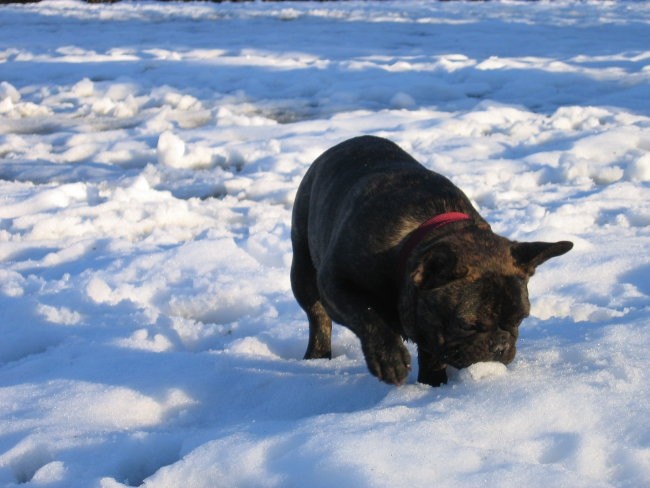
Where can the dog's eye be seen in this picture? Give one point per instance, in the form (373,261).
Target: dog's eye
(482,326)
(466,327)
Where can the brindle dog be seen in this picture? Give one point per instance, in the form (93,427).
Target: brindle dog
(394,251)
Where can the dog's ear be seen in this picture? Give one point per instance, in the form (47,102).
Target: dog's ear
(437,267)
(529,255)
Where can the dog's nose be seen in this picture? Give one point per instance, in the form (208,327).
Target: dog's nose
(500,349)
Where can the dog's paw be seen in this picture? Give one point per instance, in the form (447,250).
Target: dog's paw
(318,353)
(388,359)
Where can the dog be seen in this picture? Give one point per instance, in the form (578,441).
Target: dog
(396,252)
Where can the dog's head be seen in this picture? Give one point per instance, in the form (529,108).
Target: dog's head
(467,294)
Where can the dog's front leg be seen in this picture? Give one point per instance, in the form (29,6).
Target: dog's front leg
(430,370)
(386,356)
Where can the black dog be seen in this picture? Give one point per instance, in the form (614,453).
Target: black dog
(394,251)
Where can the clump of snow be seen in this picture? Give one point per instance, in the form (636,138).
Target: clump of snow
(639,169)
(149,335)
(171,150)
(484,370)
(9,92)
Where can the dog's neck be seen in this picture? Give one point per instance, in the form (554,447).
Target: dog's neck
(421,232)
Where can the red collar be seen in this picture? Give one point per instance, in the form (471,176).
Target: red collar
(420,233)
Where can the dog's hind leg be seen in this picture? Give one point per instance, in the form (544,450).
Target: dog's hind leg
(305,289)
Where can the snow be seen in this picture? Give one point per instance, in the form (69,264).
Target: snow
(149,157)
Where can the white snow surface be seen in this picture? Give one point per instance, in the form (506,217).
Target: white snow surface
(149,157)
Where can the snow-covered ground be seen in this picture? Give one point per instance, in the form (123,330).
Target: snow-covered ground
(149,156)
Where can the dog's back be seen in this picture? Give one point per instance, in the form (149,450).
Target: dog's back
(369,188)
